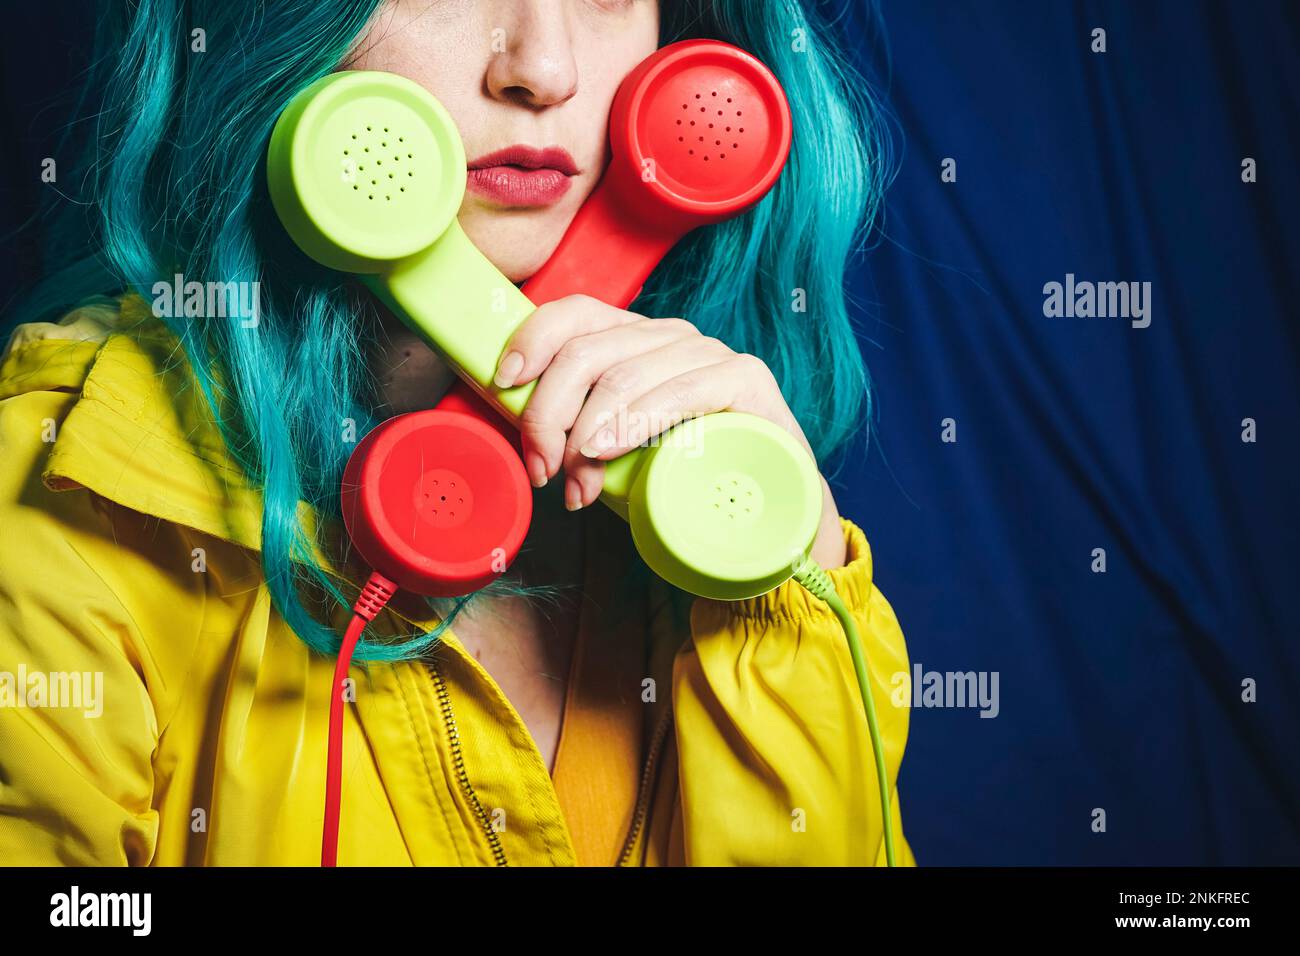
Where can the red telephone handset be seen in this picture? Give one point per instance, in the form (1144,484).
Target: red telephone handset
(698,133)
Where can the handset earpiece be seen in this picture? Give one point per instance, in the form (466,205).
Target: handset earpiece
(365,169)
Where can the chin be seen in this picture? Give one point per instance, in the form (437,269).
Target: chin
(519,268)
(517,244)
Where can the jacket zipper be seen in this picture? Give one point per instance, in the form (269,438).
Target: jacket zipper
(643,791)
(458,763)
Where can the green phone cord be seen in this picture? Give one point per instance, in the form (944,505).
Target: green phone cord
(819,584)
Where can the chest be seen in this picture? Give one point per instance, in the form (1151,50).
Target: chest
(527,648)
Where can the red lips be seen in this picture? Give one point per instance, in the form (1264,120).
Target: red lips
(521,176)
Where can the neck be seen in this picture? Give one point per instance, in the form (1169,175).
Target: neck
(409,375)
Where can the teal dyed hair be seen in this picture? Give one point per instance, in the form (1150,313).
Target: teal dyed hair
(176,184)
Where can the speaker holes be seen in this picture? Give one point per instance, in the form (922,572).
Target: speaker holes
(358,138)
(739,495)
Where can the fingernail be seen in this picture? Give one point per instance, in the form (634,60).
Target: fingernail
(572,495)
(603,440)
(537,470)
(509,369)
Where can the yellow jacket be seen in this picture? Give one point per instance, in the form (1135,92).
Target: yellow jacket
(155,709)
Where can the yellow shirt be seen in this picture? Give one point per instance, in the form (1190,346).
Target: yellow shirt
(155,709)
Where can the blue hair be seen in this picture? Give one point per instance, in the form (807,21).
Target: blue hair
(177,185)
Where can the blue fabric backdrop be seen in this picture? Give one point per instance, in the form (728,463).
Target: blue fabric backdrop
(1119,690)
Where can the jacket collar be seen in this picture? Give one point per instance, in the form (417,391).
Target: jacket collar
(140,434)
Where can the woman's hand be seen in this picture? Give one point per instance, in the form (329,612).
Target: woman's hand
(609,380)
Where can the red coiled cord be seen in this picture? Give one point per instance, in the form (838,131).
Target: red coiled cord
(374,596)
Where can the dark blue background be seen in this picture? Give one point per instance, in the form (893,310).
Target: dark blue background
(1121,690)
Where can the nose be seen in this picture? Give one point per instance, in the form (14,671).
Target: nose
(532,63)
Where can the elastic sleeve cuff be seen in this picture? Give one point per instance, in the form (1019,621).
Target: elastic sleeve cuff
(791,601)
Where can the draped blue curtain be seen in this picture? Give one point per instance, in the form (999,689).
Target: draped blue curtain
(1119,691)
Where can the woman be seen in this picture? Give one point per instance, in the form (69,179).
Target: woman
(169,491)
